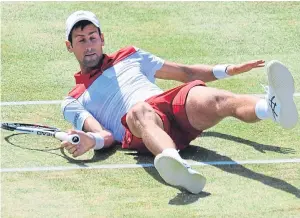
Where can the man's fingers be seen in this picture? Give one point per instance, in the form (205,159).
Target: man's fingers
(255,63)
(70,146)
(72,131)
(77,153)
(65,144)
(258,61)
(72,150)
(261,65)
(252,64)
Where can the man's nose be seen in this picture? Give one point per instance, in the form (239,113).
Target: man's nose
(89,42)
(88,49)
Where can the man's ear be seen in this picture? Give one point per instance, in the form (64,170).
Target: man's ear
(69,46)
(102,39)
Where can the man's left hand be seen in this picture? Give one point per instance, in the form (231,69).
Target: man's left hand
(244,67)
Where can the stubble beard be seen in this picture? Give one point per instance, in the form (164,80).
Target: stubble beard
(90,62)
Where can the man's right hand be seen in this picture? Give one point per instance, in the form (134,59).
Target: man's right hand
(86,143)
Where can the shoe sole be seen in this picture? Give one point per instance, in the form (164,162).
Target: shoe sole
(175,173)
(282,83)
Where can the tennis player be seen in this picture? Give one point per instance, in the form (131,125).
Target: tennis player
(115,99)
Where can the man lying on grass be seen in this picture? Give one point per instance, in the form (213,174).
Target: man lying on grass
(116,99)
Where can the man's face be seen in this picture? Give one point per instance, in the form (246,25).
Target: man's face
(87,45)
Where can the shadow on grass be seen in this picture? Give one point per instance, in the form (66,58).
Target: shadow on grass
(182,198)
(199,154)
(192,152)
(257,146)
(98,155)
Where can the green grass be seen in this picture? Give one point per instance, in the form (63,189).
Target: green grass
(232,138)
(91,194)
(37,66)
(33,40)
(231,191)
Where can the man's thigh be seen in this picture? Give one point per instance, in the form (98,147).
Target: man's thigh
(206,106)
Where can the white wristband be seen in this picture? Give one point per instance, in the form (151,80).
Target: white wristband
(98,139)
(220,71)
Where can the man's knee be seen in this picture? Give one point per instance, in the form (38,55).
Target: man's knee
(142,113)
(140,116)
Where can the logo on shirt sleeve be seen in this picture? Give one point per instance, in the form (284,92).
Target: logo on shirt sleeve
(76,117)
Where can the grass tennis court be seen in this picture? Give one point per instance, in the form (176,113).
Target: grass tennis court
(36,66)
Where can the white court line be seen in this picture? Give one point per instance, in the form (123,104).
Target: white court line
(142,165)
(13,103)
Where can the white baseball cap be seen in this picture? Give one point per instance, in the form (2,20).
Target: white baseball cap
(79,16)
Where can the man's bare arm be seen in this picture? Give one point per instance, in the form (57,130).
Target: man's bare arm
(92,125)
(87,140)
(188,73)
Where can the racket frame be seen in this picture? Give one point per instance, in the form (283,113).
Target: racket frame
(41,130)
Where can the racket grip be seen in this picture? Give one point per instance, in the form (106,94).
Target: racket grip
(74,138)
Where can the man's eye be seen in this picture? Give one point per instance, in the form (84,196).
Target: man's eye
(81,40)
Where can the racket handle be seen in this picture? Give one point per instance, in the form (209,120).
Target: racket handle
(74,138)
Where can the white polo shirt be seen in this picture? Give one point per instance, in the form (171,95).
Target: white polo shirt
(124,78)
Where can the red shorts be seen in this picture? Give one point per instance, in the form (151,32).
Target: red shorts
(170,106)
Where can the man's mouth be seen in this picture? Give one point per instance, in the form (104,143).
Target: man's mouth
(90,54)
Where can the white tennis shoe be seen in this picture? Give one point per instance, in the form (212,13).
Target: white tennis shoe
(280,95)
(176,172)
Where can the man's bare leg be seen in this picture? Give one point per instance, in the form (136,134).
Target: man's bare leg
(207,106)
(144,123)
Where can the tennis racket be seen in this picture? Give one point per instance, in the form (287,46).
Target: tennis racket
(36,129)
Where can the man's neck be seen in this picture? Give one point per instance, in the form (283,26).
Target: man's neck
(87,70)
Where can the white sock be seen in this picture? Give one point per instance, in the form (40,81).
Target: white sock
(262,109)
(172,152)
